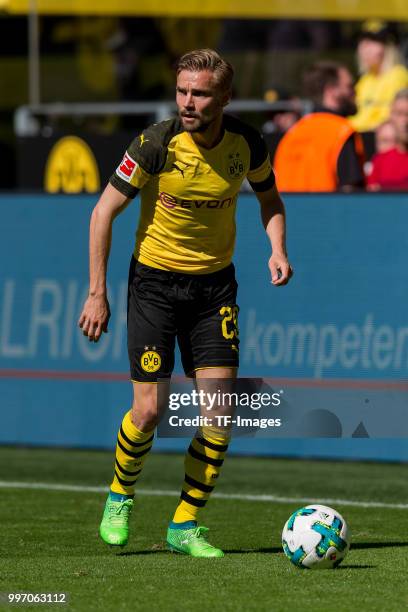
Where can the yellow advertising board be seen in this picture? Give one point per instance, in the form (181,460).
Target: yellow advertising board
(397,10)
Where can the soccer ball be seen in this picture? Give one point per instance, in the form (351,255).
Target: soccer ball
(316,537)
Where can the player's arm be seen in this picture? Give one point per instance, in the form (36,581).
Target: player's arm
(262,180)
(274,222)
(124,184)
(95,313)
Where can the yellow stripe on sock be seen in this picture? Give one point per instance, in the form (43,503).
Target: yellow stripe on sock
(132,448)
(203,463)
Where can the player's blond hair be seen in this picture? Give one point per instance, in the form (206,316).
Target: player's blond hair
(208,59)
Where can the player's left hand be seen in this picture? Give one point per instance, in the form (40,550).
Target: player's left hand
(281,270)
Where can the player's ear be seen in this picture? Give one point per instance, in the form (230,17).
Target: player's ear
(226,97)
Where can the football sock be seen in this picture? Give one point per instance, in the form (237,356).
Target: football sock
(118,497)
(203,462)
(132,448)
(185,525)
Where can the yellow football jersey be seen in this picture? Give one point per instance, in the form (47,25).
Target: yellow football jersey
(189,194)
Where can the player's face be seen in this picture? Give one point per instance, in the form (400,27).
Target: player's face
(200,99)
(399,117)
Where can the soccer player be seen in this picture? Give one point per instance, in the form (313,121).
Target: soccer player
(181,281)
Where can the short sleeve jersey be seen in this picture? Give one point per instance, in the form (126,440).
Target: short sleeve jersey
(189,194)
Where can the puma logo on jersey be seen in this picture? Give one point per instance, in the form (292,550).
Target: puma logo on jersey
(143,140)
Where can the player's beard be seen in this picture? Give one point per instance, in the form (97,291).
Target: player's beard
(199,125)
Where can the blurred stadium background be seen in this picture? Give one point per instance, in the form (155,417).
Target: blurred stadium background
(77,81)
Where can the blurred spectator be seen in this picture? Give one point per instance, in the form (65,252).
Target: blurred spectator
(382,75)
(390,168)
(280,120)
(322,151)
(385,137)
(283,119)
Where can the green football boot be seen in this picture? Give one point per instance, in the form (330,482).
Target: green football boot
(114,529)
(191,542)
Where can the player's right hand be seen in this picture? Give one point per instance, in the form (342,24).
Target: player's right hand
(95,317)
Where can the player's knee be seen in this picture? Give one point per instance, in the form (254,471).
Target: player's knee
(145,420)
(145,413)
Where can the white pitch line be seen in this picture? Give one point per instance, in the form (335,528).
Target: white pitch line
(44,486)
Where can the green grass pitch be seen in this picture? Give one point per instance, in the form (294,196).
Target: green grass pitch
(49,539)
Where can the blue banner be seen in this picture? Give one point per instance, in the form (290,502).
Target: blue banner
(341,322)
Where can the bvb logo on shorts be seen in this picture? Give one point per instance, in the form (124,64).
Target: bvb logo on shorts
(150,360)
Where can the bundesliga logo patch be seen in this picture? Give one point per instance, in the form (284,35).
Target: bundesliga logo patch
(127,168)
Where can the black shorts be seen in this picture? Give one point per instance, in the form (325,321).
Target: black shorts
(199,310)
